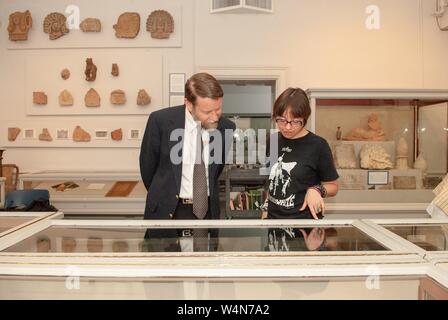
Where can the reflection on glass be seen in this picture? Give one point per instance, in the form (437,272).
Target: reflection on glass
(256,239)
(427,237)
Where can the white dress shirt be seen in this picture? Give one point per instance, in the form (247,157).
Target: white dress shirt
(189,155)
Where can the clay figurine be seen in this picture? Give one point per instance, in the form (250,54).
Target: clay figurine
(19,25)
(91,69)
(128,25)
(55,25)
(160,24)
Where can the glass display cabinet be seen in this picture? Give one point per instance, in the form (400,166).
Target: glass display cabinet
(239,259)
(12,221)
(100,193)
(429,237)
(389,146)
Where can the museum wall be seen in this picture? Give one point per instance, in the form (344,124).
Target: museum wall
(322,44)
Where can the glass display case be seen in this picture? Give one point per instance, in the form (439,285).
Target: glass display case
(11,221)
(429,237)
(242,259)
(389,146)
(97,193)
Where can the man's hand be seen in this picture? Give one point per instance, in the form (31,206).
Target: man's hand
(314,201)
(264,215)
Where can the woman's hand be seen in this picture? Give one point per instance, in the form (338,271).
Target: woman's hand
(315,239)
(314,201)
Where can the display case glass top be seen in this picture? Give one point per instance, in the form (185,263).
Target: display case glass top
(428,237)
(255,239)
(7,223)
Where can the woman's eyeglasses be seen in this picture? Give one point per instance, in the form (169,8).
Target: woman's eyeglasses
(296,123)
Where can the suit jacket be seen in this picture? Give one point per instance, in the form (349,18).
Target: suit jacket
(161,177)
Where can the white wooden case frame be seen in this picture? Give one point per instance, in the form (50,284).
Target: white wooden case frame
(34,217)
(210,265)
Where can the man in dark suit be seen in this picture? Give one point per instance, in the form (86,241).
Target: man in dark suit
(181,184)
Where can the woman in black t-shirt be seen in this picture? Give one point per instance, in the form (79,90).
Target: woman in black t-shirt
(303,173)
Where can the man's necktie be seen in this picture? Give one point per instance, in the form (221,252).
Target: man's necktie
(200,192)
(200,197)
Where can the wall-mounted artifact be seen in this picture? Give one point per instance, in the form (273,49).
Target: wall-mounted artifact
(374,156)
(90,25)
(128,25)
(115,70)
(92,99)
(40,98)
(143,98)
(405,183)
(118,97)
(373,133)
(19,25)
(117,135)
(13,133)
(55,24)
(345,156)
(160,24)
(401,161)
(91,70)
(45,135)
(65,74)
(80,135)
(65,99)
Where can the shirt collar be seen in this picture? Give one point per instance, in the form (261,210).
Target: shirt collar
(190,123)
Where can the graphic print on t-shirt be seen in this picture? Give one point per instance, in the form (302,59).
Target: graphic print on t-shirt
(279,183)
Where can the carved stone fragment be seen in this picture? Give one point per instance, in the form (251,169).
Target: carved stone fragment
(117,135)
(80,135)
(13,133)
(160,24)
(118,97)
(90,25)
(45,135)
(115,70)
(40,98)
(128,25)
(19,25)
(65,99)
(65,74)
(143,98)
(92,99)
(91,70)
(345,156)
(374,156)
(55,25)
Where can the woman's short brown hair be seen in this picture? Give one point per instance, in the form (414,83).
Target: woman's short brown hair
(294,100)
(202,85)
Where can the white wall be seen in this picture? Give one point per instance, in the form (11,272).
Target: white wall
(322,43)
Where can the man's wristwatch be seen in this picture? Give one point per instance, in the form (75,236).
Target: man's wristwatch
(321,189)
